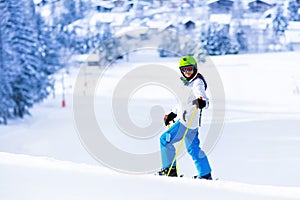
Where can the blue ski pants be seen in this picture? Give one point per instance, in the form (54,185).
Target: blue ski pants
(175,134)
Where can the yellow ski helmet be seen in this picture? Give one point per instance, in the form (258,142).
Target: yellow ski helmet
(186,61)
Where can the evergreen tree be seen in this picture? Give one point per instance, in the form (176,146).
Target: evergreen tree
(70,15)
(24,73)
(82,8)
(280,22)
(241,38)
(23,47)
(49,47)
(217,41)
(6,103)
(293,8)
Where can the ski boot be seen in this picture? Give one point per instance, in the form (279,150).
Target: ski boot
(164,172)
(207,177)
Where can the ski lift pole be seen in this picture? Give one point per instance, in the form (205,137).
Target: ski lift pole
(63,104)
(183,138)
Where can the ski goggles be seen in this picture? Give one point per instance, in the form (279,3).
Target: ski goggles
(189,68)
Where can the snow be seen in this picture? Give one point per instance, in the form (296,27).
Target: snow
(37,1)
(44,178)
(256,157)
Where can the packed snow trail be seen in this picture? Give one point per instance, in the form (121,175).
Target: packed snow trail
(29,177)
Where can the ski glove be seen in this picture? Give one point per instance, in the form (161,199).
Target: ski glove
(169,118)
(199,102)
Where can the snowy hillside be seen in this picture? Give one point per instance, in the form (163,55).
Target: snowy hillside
(44,178)
(256,157)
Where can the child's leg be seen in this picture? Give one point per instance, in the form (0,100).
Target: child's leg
(167,140)
(192,143)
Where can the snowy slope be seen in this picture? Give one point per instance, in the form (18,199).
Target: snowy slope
(28,177)
(258,151)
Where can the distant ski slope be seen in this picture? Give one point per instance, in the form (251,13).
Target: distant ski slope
(28,178)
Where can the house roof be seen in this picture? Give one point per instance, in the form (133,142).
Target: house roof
(218,3)
(214,1)
(270,2)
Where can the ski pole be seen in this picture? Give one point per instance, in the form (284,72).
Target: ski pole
(200,117)
(181,141)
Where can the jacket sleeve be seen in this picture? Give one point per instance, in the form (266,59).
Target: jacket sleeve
(199,91)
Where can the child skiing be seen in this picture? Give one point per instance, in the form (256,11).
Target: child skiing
(189,121)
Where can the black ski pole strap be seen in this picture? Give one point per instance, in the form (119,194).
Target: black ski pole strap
(200,117)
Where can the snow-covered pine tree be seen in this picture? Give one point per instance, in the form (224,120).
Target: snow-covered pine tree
(24,76)
(6,103)
(293,8)
(82,8)
(27,82)
(70,12)
(241,38)
(280,22)
(217,40)
(49,47)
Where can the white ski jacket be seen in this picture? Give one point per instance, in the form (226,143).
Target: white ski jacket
(185,109)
